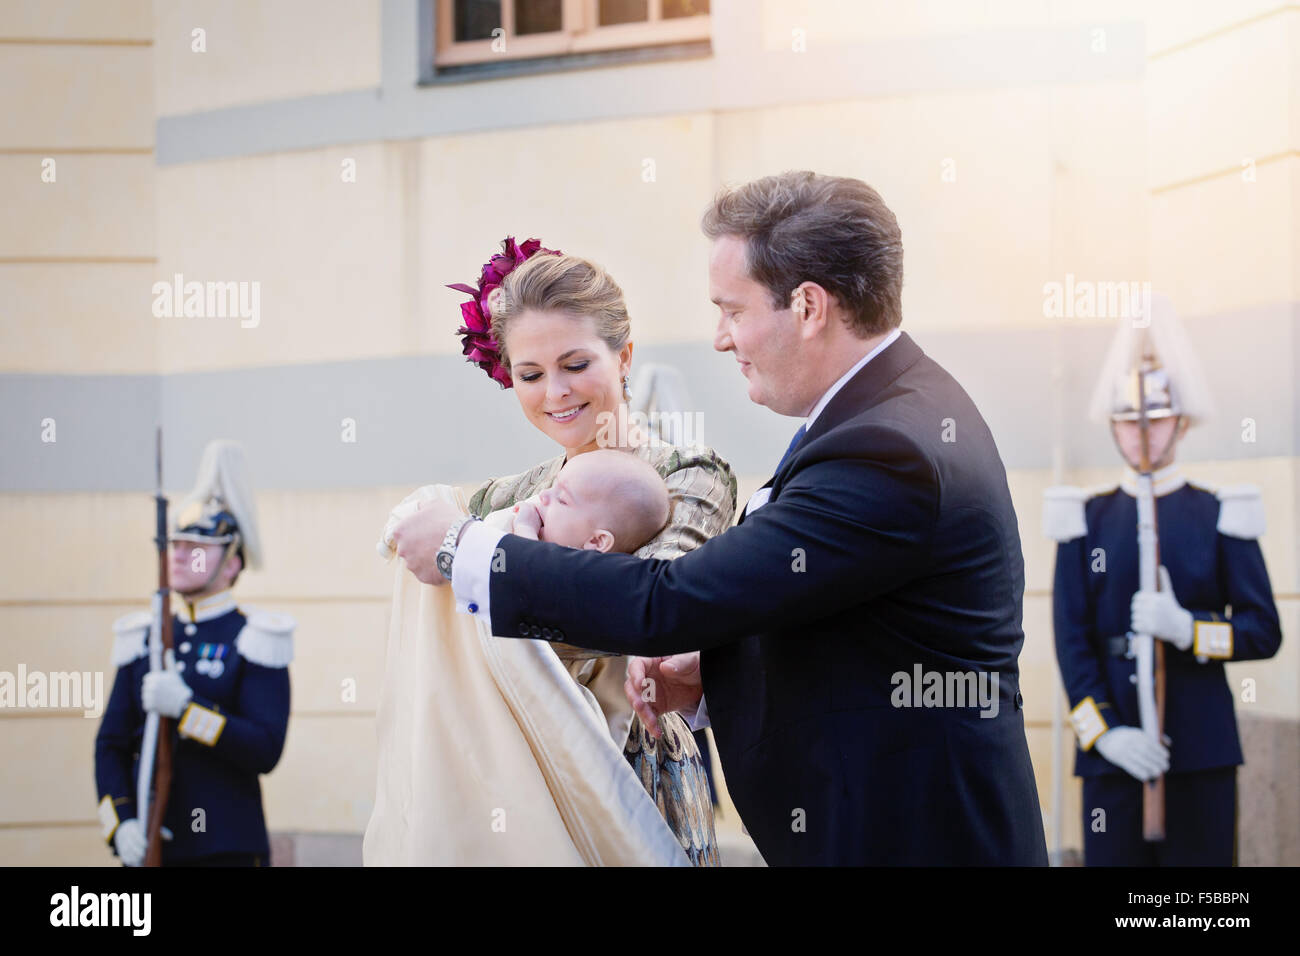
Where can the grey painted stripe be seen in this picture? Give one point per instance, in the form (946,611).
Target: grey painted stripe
(740,75)
(433,418)
(102,430)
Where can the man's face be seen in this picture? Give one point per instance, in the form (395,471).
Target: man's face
(764,340)
(192,564)
(1162,437)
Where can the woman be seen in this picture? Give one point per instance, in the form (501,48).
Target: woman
(526,752)
(564,339)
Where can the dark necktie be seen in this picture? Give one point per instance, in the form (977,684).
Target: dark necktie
(794,443)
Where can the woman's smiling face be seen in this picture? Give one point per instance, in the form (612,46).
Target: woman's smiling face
(565,375)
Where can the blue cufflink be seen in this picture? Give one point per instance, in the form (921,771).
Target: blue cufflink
(473,608)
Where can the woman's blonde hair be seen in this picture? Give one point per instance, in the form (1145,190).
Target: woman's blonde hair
(560,283)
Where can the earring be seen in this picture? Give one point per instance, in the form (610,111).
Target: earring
(627,390)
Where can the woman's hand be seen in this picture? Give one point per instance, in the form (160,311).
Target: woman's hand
(656,685)
(418,537)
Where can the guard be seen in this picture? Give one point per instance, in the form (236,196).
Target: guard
(227,688)
(1212,603)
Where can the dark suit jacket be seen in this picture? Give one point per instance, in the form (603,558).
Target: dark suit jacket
(887,555)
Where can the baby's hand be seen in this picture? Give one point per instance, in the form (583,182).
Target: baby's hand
(528,521)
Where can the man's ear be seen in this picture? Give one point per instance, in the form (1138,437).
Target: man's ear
(600,540)
(232,569)
(811,306)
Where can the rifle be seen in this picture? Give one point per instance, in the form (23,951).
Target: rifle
(1150,653)
(154,784)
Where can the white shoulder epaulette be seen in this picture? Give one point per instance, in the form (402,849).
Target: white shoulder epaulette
(1063,513)
(266,638)
(1241,511)
(1063,510)
(131,637)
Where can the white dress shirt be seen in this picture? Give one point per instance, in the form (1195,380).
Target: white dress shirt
(471,571)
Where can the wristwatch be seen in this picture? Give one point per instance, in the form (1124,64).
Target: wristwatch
(447,553)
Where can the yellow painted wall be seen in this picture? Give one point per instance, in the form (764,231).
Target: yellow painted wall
(1112,180)
(258,52)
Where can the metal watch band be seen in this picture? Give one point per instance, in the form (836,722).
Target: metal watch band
(447,552)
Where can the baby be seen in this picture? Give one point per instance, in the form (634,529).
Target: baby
(603,500)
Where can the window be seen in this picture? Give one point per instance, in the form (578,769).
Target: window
(479,31)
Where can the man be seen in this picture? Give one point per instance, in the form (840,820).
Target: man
(227,688)
(1210,561)
(883,550)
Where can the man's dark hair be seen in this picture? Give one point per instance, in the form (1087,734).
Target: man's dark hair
(802,226)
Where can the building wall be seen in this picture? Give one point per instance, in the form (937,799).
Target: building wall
(73,253)
(1017,142)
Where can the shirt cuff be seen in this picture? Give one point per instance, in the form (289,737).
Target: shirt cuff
(700,719)
(471,570)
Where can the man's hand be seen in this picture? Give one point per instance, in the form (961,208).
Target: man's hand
(1130,749)
(418,537)
(656,685)
(129,842)
(1159,614)
(165,692)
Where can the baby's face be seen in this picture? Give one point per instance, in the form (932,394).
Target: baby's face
(570,508)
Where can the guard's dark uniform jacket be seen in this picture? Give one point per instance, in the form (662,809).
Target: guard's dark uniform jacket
(1208,544)
(232,730)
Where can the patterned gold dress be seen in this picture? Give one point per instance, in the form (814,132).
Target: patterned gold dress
(702,491)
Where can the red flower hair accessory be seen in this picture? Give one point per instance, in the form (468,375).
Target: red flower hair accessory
(476,334)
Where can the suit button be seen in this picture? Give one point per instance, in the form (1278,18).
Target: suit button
(537,631)
(523,630)
(559,635)
(1020,701)
(546,634)
(1132,678)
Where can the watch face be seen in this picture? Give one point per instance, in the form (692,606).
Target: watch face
(444,564)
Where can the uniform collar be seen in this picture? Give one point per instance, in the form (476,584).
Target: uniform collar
(1167,479)
(214,605)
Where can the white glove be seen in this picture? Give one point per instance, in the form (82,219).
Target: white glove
(1160,615)
(129,842)
(165,692)
(1130,749)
